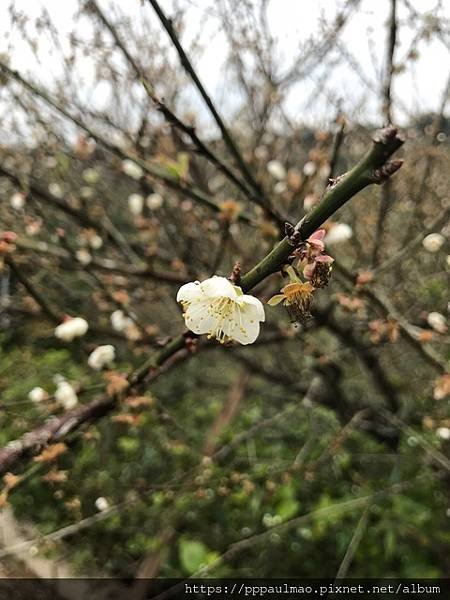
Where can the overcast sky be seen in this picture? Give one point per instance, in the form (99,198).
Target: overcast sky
(292,22)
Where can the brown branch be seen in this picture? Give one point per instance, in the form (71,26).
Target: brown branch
(47,309)
(167,24)
(387,110)
(171,118)
(382,301)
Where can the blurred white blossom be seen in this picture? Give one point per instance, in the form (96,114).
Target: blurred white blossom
(65,394)
(433,242)
(276,169)
(135,203)
(437,321)
(339,233)
(56,190)
(37,394)
(154,201)
(101,504)
(309,168)
(83,256)
(95,242)
(119,321)
(101,357)
(71,329)
(443,433)
(132,169)
(17,200)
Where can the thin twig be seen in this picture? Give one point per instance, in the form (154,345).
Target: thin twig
(167,24)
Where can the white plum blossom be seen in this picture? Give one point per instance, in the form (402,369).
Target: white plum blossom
(101,357)
(221,310)
(338,233)
(71,328)
(276,169)
(95,242)
(132,169)
(37,394)
(17,200)
(101,504)
(66,395)
(135,204)
(437,321)
(443,433)
(83,256)
(119,321)
(433,242)
(309,168)
(56,190)
(154,201)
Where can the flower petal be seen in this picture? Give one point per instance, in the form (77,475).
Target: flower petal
(198,318)
(248,330)
(317,235)
(216,287)
(189,292)
(251,304)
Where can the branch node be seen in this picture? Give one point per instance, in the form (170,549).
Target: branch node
(382,174)
(293,235)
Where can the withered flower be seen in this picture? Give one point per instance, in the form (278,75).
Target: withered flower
(296,296)
(318,272)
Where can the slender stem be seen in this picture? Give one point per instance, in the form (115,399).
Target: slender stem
(337,142)
(172,118)
(390,67)
(51,313)
(167,24)
(408,249)
(372,168)
(410,333)
(385,202)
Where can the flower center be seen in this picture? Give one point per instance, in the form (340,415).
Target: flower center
(222,310)
(294,291)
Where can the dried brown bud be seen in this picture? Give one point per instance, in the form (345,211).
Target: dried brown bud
(387,170)
(235,276)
